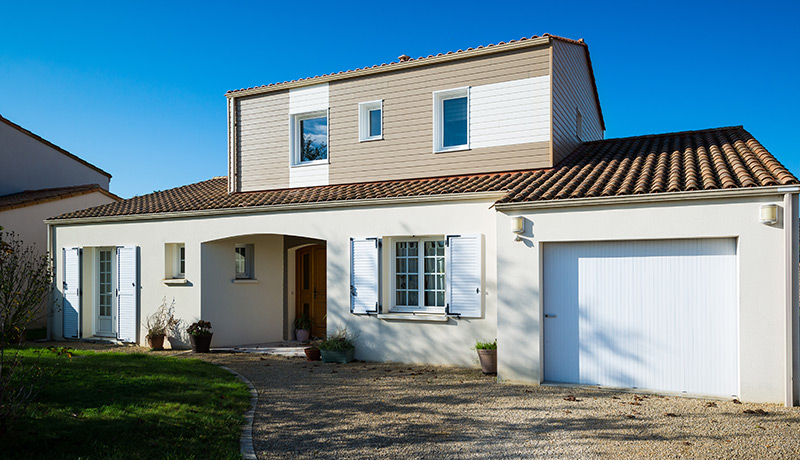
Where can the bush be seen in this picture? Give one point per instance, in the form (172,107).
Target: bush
(341,340)
(199,328)
(486,345)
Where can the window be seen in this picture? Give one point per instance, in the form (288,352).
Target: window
(310,138)
(578,124)
(175,262)
(419,275)
(451,120)
(370,121)
(243,261)
(104,284)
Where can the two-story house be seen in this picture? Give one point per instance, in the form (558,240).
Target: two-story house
(431,202)
(39,180)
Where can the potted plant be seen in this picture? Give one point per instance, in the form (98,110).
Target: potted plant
(487,354)
(157,325)
(302,327)
(312,352)
(338,347)
(200,335)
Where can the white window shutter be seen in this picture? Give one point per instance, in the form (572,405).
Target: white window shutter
(364,275)
(127,293)
(72,292)
(464,275)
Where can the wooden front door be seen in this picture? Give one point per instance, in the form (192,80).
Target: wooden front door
(311,287)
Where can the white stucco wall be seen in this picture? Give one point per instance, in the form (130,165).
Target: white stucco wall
(259,310)
(762,275)
(36,165)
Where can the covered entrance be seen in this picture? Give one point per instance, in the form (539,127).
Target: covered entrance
(311,277)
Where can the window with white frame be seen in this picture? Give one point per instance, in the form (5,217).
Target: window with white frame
(174,261)
(419,275)
(451,120)
(310,138)
(243,261)
(370,121)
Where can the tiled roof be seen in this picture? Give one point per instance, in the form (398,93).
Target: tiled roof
(343,72)
(50,144)
(722,158)
(33,197)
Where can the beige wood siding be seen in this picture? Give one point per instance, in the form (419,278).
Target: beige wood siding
(407,148)
(262,147)
(572,88)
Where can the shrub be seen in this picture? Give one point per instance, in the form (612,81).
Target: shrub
(341,340)
(199,328)
(486,345)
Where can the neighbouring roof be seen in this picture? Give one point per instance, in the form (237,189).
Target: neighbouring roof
(34,197)
(50,144)
(712,159)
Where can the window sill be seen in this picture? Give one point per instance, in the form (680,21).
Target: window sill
(244,281)
(429,317)
(370,139)
(460,148)
(311,163)
(175,281)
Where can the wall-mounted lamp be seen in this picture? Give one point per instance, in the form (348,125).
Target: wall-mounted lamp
(769,214)
(518,225)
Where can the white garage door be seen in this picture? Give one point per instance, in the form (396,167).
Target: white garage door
(659,315)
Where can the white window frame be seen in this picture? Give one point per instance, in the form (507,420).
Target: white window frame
(249,258)
(177,273)
(364,109)
(421,308)
(294,122)
(438,118)
(96,288)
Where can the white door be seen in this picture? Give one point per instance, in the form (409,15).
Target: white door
(72,292)
(105,294)
(658,314)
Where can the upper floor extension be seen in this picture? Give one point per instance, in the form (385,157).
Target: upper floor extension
(512,106)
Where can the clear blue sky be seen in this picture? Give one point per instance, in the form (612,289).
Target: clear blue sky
(137,88)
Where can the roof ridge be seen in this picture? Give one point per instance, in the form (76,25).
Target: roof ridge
(642,136)
(490,45)
(50,144)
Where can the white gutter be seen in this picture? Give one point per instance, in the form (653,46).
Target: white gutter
(790,228)
(648,198)
(317,205)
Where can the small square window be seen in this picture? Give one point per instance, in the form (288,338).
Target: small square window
(451,120)
(370,121)
(310,137)
(243,261)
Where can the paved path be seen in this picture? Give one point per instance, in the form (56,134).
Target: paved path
(371,410)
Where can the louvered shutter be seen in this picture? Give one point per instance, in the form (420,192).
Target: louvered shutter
(127,293)
(364,275)
(464,275)
(72,292)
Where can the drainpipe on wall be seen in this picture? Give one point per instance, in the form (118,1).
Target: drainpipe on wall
(52,296)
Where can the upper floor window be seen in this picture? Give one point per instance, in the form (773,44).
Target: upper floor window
(310,139)
(370,121)
(451,120)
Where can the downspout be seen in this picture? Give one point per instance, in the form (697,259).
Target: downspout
(52,296)
(791,231)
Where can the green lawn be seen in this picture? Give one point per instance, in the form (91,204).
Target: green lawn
(130,406)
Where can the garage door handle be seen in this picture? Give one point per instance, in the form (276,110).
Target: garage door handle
(550,316)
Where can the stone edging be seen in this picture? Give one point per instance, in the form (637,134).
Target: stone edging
(246,441)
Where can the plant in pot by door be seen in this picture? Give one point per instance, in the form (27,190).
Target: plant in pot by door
(312,352)
(487,354)
(157,325)
(302,327)
(338,347)
(200,335)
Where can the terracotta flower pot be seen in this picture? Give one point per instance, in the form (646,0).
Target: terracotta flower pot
(312,354)
(156,342)
(201,343)
(488,360)
(301,334)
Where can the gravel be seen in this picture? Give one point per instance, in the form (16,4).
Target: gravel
(381,410)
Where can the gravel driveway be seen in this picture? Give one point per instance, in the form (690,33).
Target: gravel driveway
(375,410)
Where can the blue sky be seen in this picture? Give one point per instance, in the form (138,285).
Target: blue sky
(137,88)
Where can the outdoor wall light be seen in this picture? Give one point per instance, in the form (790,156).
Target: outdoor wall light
(518,225)
(769,214)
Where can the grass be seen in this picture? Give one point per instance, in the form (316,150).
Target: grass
(130,406)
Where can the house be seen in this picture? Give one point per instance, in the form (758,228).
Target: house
(41,180)
(430,202)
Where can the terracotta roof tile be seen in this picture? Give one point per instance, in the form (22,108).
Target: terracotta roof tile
(694,160)
(33,197)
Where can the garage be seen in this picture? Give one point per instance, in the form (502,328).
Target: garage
(658,315)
